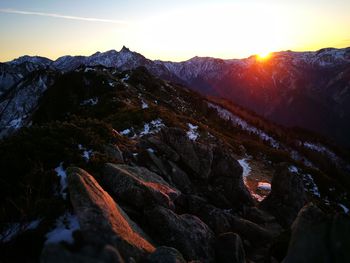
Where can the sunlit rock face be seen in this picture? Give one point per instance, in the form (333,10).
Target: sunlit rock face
(101,220)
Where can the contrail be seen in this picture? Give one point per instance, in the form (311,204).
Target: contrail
(80,18)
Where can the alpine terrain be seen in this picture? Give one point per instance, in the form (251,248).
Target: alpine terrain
(117,158)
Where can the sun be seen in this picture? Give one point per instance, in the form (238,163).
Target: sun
(263,55)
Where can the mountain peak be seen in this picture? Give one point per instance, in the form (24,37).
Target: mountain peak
(125,49)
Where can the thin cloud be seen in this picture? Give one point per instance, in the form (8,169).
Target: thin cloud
(80,18)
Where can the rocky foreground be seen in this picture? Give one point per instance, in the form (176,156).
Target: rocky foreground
(212,218)
(108,166)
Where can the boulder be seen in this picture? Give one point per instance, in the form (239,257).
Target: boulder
(197,157)
(317,237)
(187,233)
(165,255)
(229,248)
(250,231)
(56,253)
(138,186)
(114,152)
(102,221)
(148,159)
(163,148)
(287,196)
(179,178)
(226,177)
(219,220)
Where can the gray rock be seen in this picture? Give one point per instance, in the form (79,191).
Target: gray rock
(167,151)
(319,238)
(197,157)
(101,220)
(226,177)
(56,253)
(155,164)
(187,233)
(219,220)
(287,196)
(138,186)
(179,178)
(114,152)
(229,248)
(165,255)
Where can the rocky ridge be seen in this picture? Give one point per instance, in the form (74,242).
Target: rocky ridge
(160,177)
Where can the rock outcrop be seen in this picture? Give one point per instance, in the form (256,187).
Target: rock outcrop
(197,157)
(102,221)
(138,186)
(287,196)
(187,233)
(229,249)
(317,237)
(165,255)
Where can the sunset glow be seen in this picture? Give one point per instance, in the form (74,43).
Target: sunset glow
(171,30)
(264,55)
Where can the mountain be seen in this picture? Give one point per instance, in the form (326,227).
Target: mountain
(296,89)
(101,164)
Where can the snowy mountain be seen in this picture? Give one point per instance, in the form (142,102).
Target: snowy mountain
(297,89)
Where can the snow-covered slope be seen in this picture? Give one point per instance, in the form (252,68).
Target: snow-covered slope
(305,89)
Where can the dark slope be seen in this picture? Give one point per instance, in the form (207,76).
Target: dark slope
(172,172)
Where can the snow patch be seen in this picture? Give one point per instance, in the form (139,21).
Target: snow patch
(245,165)
(346,210)
(321,149)
(235,120)
(61,173)
(264,186)
(150,150)
(293,169)
(144,105)
(125,132)
(91,102)
(86,153)
(152,127)
(126,78)
(15,229)
(16,123)
(310,185)
(192,134)
(64,227)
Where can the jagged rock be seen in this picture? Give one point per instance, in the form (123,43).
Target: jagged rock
(229,249)
(114,152)
(101,220)
(187,233)
(226,177)
(179,178)
(257,215)
(250,231)
(138,186)
(167,151)
(195,156)
(224,165)
(218,220)
(148,159)
(165,255)
(287,196)
(56,253)
(319,238)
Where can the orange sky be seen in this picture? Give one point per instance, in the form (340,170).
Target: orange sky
(172,31)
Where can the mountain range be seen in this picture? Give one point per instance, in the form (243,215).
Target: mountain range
(297,89)
(117,158)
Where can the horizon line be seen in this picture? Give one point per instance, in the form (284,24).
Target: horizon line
(167,60)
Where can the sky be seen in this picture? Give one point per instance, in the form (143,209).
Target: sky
(171,30)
